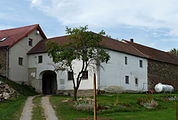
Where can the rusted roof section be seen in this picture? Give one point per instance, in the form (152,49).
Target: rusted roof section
(12,36)
(116,45)
(155,54)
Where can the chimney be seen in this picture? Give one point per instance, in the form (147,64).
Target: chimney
(131,40)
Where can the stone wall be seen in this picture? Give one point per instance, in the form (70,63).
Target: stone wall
(159,72)
(3,61)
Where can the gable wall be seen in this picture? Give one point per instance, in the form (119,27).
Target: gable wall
(19,73)
(159,72)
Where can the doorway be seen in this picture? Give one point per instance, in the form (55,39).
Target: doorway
(49,82)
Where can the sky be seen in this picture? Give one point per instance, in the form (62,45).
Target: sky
(153,23)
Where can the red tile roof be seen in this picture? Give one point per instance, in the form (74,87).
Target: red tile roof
(16,34)
(120,46)
(108,43)
(155,54)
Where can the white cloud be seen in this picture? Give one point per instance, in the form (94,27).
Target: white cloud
(137,13)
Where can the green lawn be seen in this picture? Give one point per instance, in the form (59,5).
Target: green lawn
(165,110)
(11,109)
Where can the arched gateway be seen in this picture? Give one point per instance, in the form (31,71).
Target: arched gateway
(49,82)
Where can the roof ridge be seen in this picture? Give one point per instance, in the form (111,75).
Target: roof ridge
(144,46)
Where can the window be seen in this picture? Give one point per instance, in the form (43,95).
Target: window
(40,59)
(127,79)
(136,81)
(1,40)
(70,75)
(141,63)
(125,60)
(85,75)
(30,42)
(20,61)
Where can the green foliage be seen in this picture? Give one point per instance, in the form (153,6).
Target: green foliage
(82,45)
(174,51)
(22,89)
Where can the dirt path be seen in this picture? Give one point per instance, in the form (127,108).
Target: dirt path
(27,110)
(48,110)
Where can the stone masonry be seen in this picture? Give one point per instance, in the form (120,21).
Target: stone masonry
(159,72)
(3,61)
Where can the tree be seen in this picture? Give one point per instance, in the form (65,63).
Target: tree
(82,45)
(174,51)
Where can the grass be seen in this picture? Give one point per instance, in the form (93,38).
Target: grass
(165,110)
(38,112)
(12,108)
(65,110)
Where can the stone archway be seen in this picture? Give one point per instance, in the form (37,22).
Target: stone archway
(49,82)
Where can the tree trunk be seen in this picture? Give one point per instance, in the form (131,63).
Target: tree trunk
(75,93)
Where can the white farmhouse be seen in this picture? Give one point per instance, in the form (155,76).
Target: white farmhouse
(24,59)
(127,69)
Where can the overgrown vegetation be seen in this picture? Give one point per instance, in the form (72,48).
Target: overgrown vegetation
(23,90)
(120,106)
(38,112)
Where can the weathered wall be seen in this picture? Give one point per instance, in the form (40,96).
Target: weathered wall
(3,61)
(159,72)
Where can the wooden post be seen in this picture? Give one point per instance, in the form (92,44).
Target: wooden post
(176,111)
(94,95)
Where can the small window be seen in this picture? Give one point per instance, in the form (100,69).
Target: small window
(70,75)
(127,79)
(20,61)
(85,75)
(30,42)
(3,39)
(136,81)
(141,63)
(40,59)
(125,60)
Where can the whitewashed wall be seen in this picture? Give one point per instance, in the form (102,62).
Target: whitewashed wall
(115,71)
(17,72)
(61,75)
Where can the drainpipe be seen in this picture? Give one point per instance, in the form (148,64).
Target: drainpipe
(7,63)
